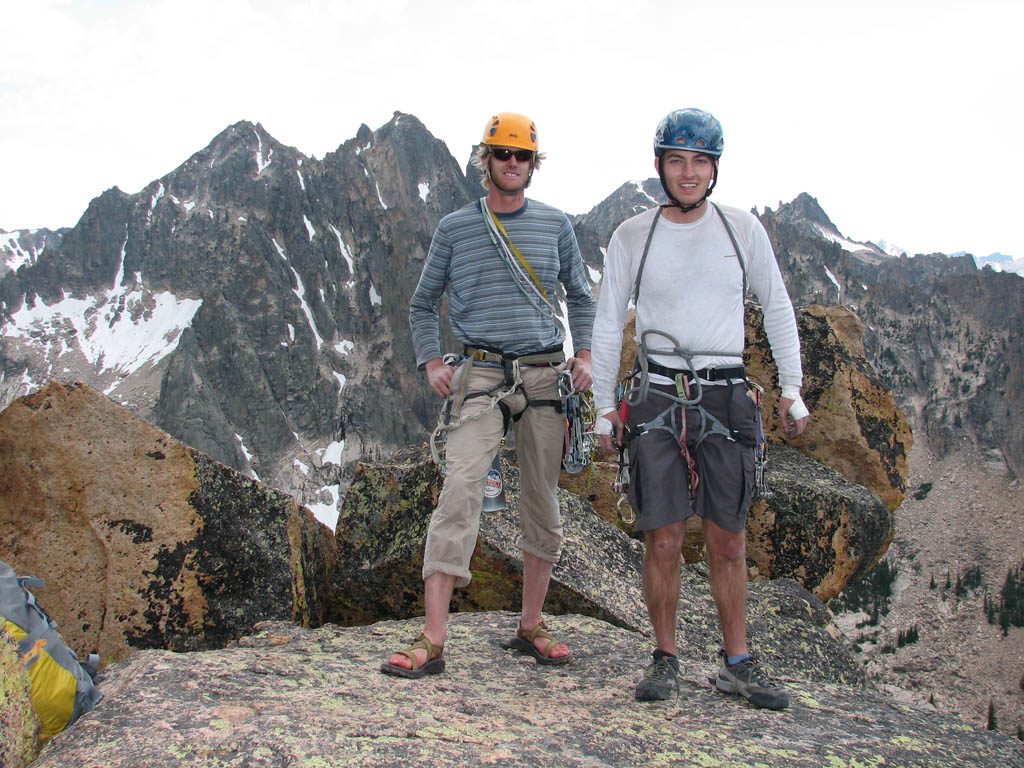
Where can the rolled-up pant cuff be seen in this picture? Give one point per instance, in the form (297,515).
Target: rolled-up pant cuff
(462,575)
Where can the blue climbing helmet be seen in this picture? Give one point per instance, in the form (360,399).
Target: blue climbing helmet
(696,131)
(692,129)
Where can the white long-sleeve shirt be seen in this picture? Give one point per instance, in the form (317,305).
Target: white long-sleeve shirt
(692,288)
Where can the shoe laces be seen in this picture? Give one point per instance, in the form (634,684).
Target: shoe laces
(755,673)
(663,667)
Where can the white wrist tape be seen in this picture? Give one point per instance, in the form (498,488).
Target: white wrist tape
(603,426)
(791,391)
(798,410)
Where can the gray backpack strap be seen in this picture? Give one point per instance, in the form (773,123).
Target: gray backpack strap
(643,259)
(735,244)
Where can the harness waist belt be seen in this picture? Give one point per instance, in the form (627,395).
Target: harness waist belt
(543,357)
(705,374)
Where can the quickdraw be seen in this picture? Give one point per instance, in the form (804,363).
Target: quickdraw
(580,415)
(621,483)
(761,486)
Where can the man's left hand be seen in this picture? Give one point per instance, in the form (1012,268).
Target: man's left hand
(790,426)
(580,367)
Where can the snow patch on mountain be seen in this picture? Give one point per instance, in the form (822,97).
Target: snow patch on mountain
(23,246)
(890,249)
(640,189)
(119,331)
(345,253)
(844,243)
(1000,262)
(300,292)
(327,512)
(13,254)
(261,163)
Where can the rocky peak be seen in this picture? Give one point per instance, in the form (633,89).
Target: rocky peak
(804,208)
(594,229)
(272,289)
(24,246)
(190,577)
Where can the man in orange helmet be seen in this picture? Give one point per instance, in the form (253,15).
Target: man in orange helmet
(501,259)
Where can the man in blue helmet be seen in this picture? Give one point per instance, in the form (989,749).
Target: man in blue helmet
(691,423)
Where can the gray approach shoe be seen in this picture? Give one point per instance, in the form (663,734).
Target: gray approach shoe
(661,679)
(751,683)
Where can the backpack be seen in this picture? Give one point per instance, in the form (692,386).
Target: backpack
(62,688)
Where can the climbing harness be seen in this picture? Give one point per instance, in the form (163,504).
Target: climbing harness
(451,415)
(688,393)
(577,407)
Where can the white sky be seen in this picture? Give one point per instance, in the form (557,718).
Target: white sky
(904,118)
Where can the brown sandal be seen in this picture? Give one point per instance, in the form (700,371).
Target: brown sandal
(524,643)
(433,666)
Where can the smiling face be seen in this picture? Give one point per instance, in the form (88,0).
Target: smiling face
(687,174)
(512,175)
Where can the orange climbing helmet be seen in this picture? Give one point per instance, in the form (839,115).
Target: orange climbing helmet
(509,129)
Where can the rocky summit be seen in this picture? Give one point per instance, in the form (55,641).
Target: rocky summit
(189,554)
(286,696)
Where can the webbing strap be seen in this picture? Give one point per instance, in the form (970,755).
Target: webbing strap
(518,255)
(544,357)
(643,259)
(650,236)
(735,244)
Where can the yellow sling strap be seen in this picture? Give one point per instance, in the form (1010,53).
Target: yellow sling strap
(523,261)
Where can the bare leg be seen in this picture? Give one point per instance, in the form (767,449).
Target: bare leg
(536,577)
(728,564)
(437,598)
(662,556)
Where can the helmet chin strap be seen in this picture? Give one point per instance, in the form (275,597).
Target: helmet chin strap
(687,208)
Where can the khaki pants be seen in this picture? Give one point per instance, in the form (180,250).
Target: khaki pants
(470,449)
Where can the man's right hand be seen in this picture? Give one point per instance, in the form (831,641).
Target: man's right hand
(439,376)
(610,443)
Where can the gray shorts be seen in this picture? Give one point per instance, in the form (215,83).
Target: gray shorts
(658,490)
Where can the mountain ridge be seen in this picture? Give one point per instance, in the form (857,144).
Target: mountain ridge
(326,253)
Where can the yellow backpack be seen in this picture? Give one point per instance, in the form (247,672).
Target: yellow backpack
(62,688)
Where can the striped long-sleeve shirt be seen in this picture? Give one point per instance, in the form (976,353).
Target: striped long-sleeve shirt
(486,307)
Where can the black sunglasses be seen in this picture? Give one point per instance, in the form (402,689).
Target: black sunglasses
(522,155)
